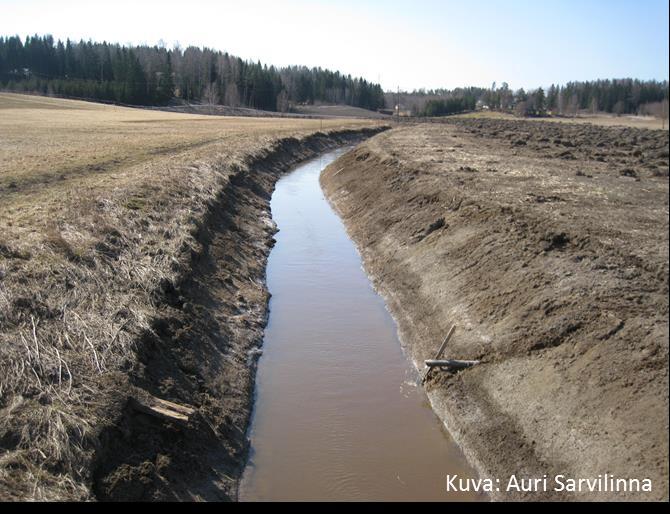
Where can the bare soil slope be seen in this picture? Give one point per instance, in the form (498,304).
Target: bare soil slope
(547,245)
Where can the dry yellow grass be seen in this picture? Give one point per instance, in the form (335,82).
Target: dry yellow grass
(46,140)
(57,156)
(98,207)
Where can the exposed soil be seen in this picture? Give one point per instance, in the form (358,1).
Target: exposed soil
(547,245)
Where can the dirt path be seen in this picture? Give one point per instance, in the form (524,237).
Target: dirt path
(547,245)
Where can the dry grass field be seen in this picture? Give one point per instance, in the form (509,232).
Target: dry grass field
(98,205)
(341,111)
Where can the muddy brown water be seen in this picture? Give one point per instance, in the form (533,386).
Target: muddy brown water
(338,413)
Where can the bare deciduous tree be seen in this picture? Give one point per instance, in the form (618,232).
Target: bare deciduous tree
(657,109)
(618,108)
(232,97)
(561,103)
(210,94)
(521,109)
(282,101)
(573,106)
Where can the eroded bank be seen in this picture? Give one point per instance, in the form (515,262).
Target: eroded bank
(200,354)
(547,246)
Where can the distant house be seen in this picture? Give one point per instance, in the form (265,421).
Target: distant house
(396,112)
(481,106)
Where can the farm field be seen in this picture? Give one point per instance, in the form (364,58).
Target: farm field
(546,244)
(342,111)
(602,119)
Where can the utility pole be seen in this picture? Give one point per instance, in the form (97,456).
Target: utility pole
(397,106)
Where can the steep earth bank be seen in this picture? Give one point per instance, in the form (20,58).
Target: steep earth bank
(131,316)
(203,350)
(547,245)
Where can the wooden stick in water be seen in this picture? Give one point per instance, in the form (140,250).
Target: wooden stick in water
(439,352)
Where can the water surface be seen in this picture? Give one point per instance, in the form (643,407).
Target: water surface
(338,414)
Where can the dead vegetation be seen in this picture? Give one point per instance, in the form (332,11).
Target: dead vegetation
(100,208)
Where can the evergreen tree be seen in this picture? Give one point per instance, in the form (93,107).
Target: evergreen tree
(539,102)
(165,85)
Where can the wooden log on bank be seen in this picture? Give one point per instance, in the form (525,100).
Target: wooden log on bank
(162,409)
(440,351)
(447,364)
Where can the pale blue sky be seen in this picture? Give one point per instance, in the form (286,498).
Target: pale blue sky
(422,43)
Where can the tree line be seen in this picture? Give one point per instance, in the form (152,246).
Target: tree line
(617,96)
(155,75)
(450,104)
(436,102)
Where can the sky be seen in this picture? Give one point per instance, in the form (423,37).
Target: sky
(407,44)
